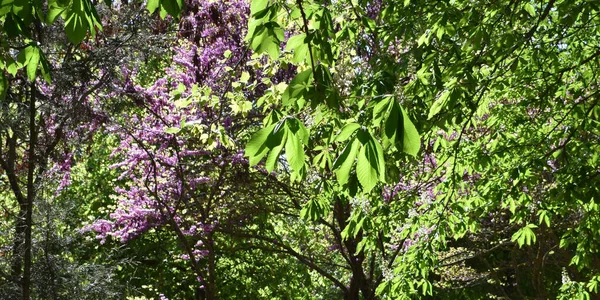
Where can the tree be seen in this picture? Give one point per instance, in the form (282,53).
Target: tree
(44,118)
(469,74)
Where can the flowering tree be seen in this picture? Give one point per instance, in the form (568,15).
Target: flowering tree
(387,149)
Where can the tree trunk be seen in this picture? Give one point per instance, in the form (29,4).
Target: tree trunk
(211,288)
(17,251)
(30,195)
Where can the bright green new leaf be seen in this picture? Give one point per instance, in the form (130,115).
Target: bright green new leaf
(411,141)
(257,148)
(12,66)
(152,5)
(297,88)
(257,6)
(172,130)
(294,152)
(343,164)
(529,9)
(299,45)
(346,132)
(438,104)
(279,139)
(245,77)
(33,62)
(5,6)
(367,167)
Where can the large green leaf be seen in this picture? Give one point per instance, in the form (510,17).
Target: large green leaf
(299,44)
(53,13)
(33,63)
(76,24)
(152,5)
(367,168)
(346,132)
(22,9)
(343,164)
(81,17)
(294,152)
(257,148)
(267,37)
(5,6)
(29,57)
(172,7)
(411,141)
(257,6)
(381,109)
(279,140)
(297,128)
(297,88)
(392,127)
(438,104)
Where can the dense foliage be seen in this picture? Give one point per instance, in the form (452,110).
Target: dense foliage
(306,149)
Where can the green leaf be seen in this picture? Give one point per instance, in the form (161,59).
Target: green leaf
(29,57)
(81,17)
(22,9)
(295,41)
(367,168)
(381,109)
(152,5)
(14,26)
(267,38)
(257,148)
(411,141)
(294,152)
(245,77)
(525,235)
(172,7)
(54,12)
(299,45)
(297,88)
(529,8)
(5,6)
(76,24)
(257,6)
(279,138)
(33,62)
(11,66)
(380,159)
(343,164)
(300,130)
(438,104)
(172,130)
(346,132)
(393,127)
